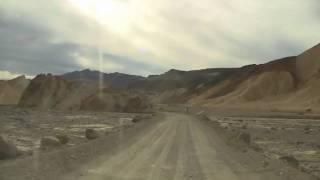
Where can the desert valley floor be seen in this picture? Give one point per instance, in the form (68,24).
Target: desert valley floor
(167,144)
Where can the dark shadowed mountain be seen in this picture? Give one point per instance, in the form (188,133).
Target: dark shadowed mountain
(114,80)
(177,86)
(175,79)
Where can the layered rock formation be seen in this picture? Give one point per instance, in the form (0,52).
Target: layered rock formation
(11,90)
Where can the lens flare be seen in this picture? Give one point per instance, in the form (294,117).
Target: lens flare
(114,15)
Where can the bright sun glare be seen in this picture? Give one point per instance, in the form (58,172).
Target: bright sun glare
(115,15)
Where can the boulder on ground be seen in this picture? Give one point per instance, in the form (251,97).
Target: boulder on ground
(273,129)
(225,126)
(137,104)
(265,164)
(290,160)
(136,119)
(203,117)
(245,137)
(256,148)
(49,142)
(307,128)
(308,110)
(63,138)
(200,113)
(245,126)
(91,134)
(8,150)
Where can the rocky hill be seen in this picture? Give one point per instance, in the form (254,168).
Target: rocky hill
(287,84)
(56,92)
(177,86)
(11,90)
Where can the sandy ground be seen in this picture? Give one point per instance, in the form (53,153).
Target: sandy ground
(171,146)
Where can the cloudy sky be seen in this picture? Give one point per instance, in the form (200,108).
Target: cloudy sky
(151,36)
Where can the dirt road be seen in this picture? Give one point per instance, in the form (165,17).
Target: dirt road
(179,147)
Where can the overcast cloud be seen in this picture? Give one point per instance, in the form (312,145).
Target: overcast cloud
(149,37)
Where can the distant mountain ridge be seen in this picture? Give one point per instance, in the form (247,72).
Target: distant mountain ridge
(115,80)
(291,83)
(173,79)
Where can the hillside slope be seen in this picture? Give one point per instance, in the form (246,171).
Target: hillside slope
(177,86)
(55,92)
(11,90)
(287,84)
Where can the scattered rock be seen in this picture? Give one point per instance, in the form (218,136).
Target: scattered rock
(49,142)
(281,173)
(290,160)
(73,157)
(8,150)
(136,119)
(244,127)
(308,132)
(309,110)
(244,151)
(299,143)
(136,104)
(203,117)
(225,126)
(245,137)
(256,148)
(28,152)
(273,129)
(265,164)
(307,128)
(200,113)
(63,138)
(91,134)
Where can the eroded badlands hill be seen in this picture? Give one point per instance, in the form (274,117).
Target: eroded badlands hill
(56,92)
(291,83)
(11,90)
